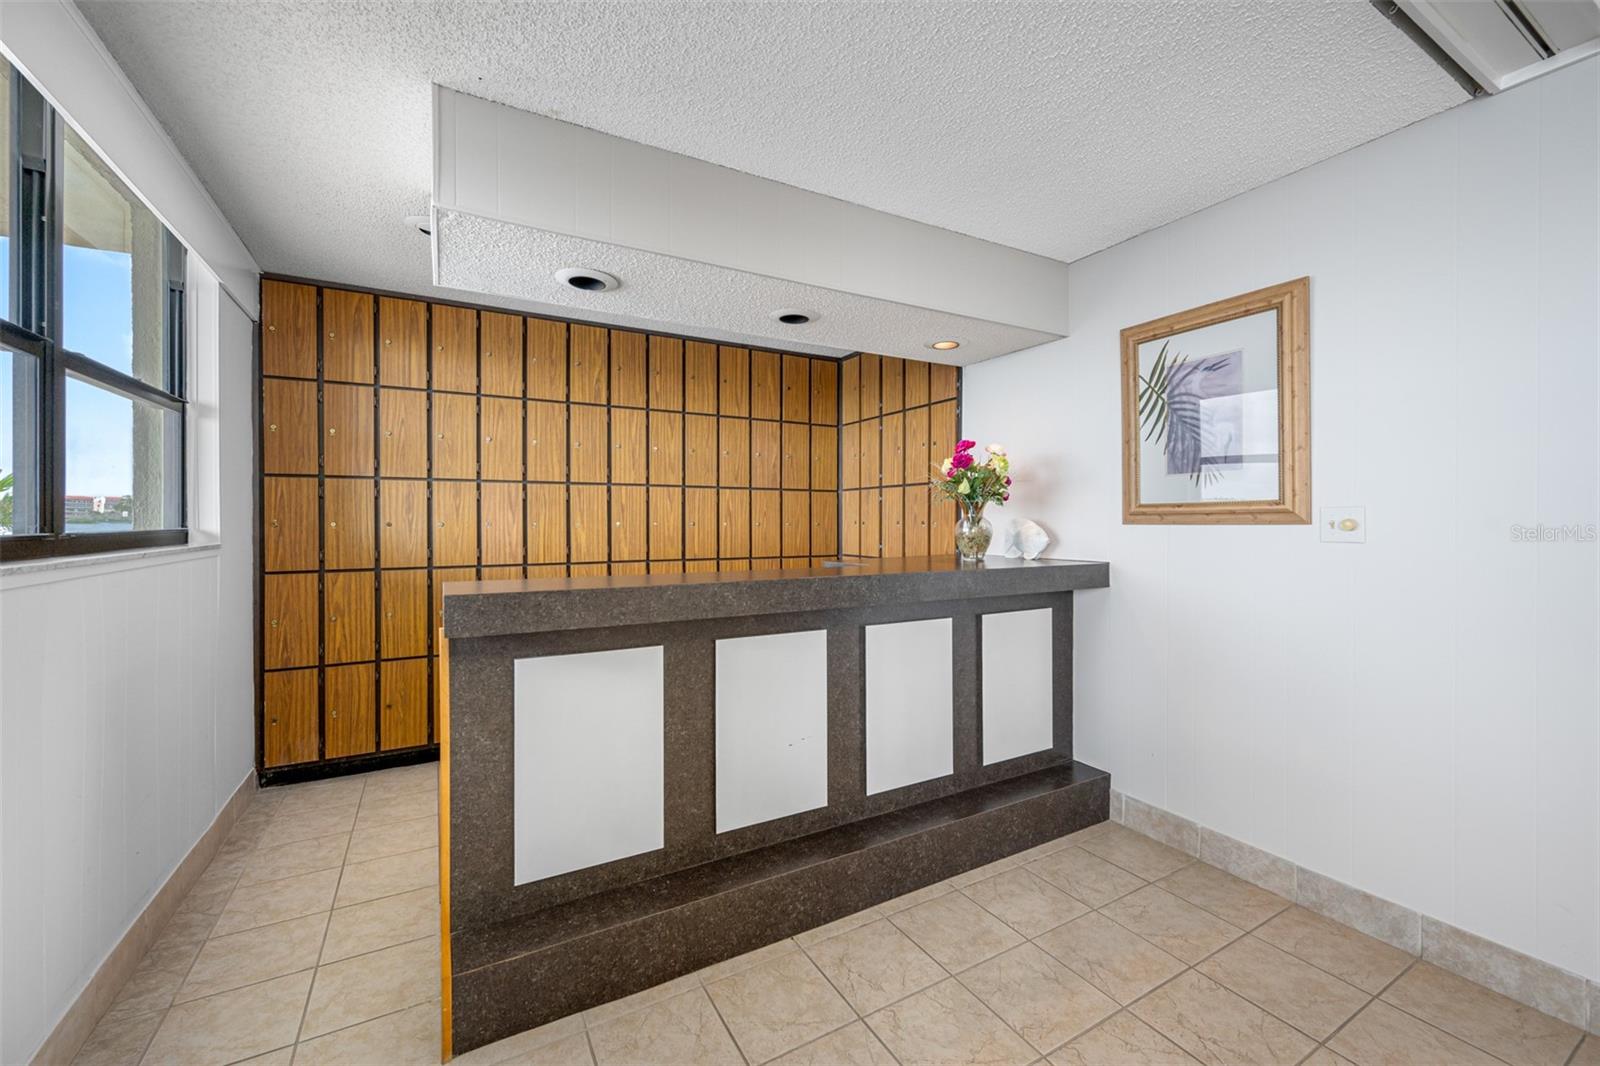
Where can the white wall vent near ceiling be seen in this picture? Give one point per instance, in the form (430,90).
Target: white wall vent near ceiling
(1501,43)
(709,251)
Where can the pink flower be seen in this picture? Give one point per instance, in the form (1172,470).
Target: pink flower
(1004,496)
(966,445)
(961,460)
(1008,481)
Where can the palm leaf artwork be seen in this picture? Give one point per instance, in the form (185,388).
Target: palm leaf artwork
(1169,412)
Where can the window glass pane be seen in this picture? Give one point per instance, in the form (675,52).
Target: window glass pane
(19,454)
(113,284)
(7,159)
(123,462)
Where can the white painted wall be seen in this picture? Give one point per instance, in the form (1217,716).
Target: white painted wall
(1419,715)
(126,684)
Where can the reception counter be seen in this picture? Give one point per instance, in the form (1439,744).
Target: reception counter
(643,776)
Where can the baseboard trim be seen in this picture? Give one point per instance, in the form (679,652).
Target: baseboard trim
(91,1004)
(1532,982)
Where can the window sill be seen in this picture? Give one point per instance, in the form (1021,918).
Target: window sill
(74,567)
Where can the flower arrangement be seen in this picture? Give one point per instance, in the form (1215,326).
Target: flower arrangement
(974,485)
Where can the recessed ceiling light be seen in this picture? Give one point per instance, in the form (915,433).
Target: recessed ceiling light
(945,346)
(422,222)
(793,316)
(587,280)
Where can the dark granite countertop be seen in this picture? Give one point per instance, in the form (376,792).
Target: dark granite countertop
(498,608)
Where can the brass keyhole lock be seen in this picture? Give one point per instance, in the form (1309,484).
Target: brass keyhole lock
(273,428)
(333,525)
(333,431)
(274,623)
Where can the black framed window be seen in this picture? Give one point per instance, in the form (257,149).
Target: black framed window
(92,355)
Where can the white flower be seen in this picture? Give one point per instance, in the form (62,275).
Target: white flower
(945,468)
(996,449)
(965,487)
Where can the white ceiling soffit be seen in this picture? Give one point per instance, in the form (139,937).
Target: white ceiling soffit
(1056,128)
(1502,43)
(700,246)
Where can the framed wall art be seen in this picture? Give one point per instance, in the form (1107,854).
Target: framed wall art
(1216,412)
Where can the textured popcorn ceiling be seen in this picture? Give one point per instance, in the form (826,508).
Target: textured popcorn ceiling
(508,260)
(1058,128)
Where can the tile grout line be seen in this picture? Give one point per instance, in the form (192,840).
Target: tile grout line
(305,1008)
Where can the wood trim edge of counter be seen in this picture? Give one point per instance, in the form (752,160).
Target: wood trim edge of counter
(442,678)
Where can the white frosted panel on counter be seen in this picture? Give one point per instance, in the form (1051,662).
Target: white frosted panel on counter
(1017,684)
(772,727)
(909,703)
(588,746)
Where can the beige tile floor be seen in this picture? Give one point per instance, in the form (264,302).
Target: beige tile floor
(313,938)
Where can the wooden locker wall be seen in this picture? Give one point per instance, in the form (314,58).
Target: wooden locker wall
(406,444)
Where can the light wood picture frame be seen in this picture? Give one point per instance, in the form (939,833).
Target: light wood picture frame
(1194,397)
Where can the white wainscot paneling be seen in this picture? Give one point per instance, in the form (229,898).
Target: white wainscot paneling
(772,727)
(589,770)
(1017,684)
(909,705)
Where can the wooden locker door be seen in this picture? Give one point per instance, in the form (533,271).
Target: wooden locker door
(500,424)
(500,357)
(700,523)
(288,329)
(766,524)
(700,377)
(894,518)
(766,455)
(766,385)
(349,631)
(850,390)
(629,386)
(629,448)
(941,432)
(700,450)
(891,373)
(502,523)
(916,383)
(916,523)
(289,523)
(824,392)
(402,433)
(733,517)
(348,706)
(733,444)
(347,352)
(403,527)
(942,381)
(547,441)
(667,566)
(796,523)
(455,523)
(588,444)
(455,436)
(666,373)
(441,578)
(455,348)
(733,367)
(289,717)
(289,638)
(347,415)
(872,523)
(850,456)
(700,566)
(872,453)
(941,523)
(547,359)
(918,468)
(590,533)
(404,715)
(871,387)
(849,523)
(666,523)
(824,457)
(666,448)
(796,388)
(588,378)
(824,523)
(629,524)
(796,455)
(348,510)
(589,569)
(547,523)
(894,449)
(402,342)
(289,442)
(403,627)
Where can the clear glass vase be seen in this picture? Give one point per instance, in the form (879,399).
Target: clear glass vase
(973,533)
